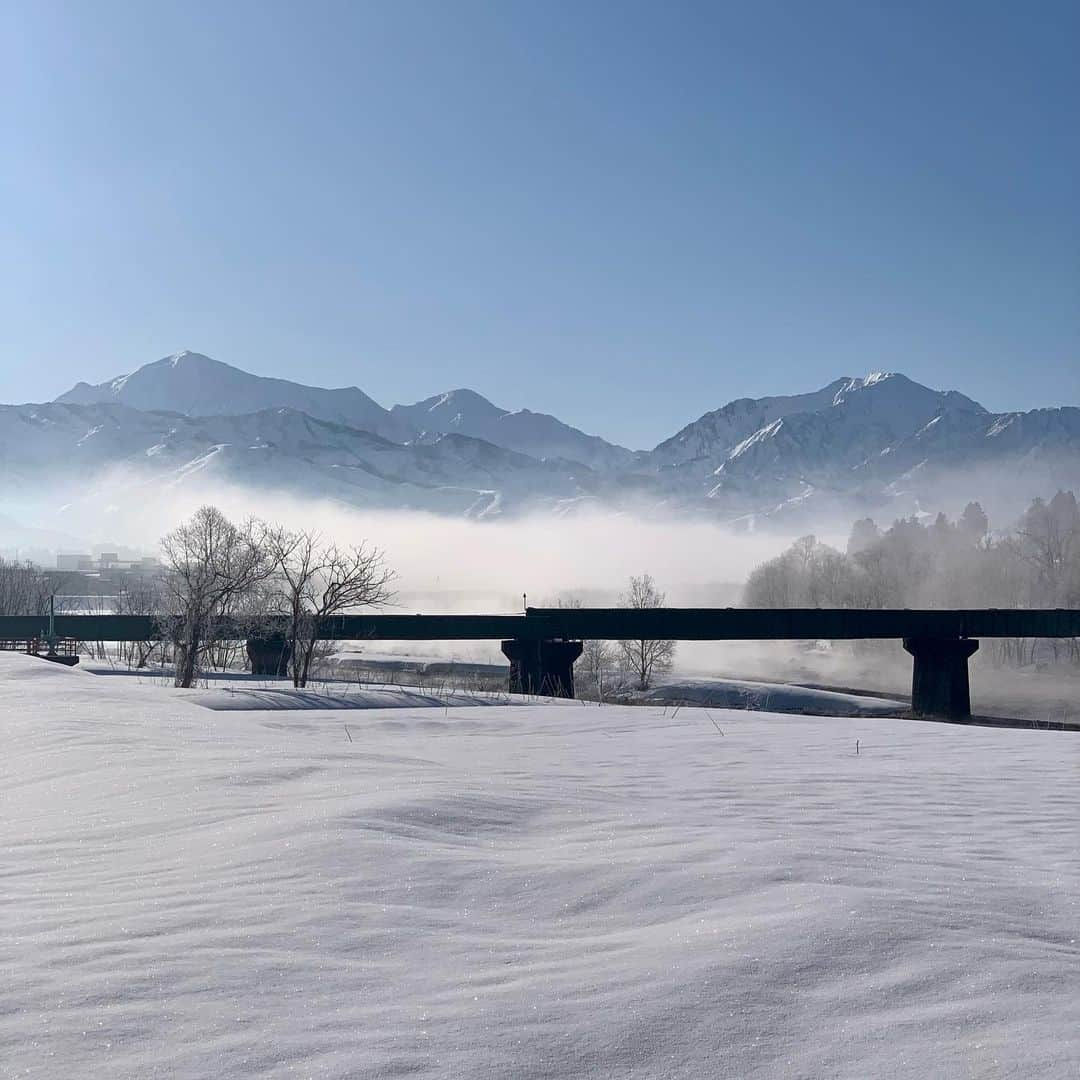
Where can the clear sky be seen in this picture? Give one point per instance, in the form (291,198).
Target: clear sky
(622,213)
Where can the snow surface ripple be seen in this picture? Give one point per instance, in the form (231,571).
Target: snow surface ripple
(528,892)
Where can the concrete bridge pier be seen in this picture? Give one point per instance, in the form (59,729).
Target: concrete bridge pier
(542,667)
(939,681)
(269,656)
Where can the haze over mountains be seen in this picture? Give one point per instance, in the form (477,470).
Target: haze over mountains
(881,444)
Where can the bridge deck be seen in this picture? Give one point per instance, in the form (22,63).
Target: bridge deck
(680,624)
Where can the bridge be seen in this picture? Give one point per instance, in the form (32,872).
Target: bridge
(543,643)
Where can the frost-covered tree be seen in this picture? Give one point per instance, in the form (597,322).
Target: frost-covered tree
(1048,539)
(973,522)
(864,534)
(808,574)
(774,584)
(944,564)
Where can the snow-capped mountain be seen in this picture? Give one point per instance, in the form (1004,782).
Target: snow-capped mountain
(195,385)
(1037,450)
(837,426)
(537,434)
(866,418)
(278,449)
(711,437)
(883,441)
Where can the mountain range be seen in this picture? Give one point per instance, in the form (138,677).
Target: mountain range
(882,444)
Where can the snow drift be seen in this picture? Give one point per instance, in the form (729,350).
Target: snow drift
(533,892)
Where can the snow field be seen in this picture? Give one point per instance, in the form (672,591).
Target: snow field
(531,892)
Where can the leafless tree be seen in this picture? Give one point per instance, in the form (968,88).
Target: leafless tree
(24,588)
(943,564)
(1048,538)
(644,659)
(141,596)
(317,580)
(773,584)
(597,664)
(598,659)
(210,564)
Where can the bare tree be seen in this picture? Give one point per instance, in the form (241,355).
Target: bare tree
(210,565)
(318,580)
(24,588)
(943,564)
(598,659)
(140,596)
(773,584)
(642,658)
(597,664)
(1048,538)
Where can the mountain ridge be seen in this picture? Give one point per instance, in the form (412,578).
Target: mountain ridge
(854,439)
(194,384)
(534,433)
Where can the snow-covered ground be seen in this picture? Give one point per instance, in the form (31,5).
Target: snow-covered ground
(528,892)
(766,696)
(326,696)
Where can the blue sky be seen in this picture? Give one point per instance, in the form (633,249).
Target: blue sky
(622,213)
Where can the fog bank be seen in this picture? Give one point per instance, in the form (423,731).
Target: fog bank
(446,563)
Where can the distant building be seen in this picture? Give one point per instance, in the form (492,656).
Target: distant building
(75,562)
(108,563)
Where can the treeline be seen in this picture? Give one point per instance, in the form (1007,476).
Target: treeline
(937,564)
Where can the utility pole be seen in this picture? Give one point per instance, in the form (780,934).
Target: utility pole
(51,636)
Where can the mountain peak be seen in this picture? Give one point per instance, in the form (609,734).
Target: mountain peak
(463,397)
(465,412)
(454,410)
(876,377)
(881,405)
(903,394)
(186,356)
(197,385)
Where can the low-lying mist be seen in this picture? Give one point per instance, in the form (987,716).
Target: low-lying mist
(444,563)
